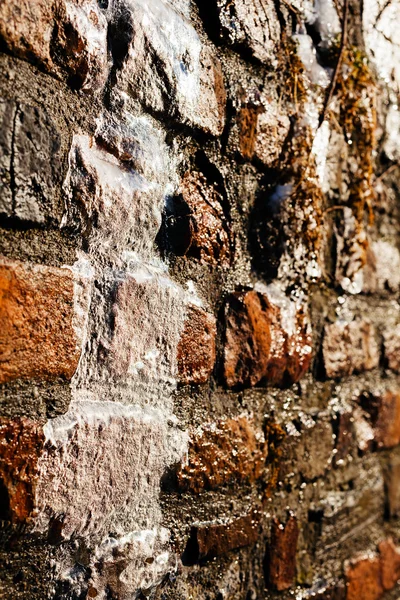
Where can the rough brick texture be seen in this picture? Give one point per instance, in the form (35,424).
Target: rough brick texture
(199,299)
(38,338)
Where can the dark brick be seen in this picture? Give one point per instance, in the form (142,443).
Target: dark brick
(344,437)
(254,25)
(199,227)
(281,554)
(392,485)
(21,443)
(208,540)
(384,412)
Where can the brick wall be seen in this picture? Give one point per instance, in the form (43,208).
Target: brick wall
(199,299)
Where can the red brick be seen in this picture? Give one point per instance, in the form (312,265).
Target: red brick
(26,27)
(349,348)
(202,228)
(68,35)
(21,443)
(208,540)
(37,334)
(390,563)
(228,451)
(281,554)
(259,345)
(364,578)
(196,348)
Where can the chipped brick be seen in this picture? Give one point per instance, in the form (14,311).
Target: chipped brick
(196,348)
(38,337)
(221,453)
(349,348)
(281,554)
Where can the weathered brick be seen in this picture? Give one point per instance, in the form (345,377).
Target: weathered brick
(382,269)
(26,27)
(391,348)
(7,115)
(254,25)
(101,468)
(309,443)
(263,129)
(225,452)
(392,486)
(158,333)
(349,347)
(38,333)
(122,198)
(344,437)
(196,348)
(80,43)
(363,430)
(21,444)
(197,225)
(390,563)
(208,540)
(334,591)
(281,554)
(265,340)
(384,412)
(30,165)
(364,578)
(71,35)
(181,79)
